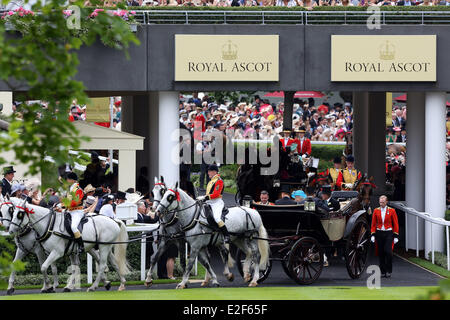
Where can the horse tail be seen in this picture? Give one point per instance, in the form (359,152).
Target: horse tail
(263,246)
(120,250)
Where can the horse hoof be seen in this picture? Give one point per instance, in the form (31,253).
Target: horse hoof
(230,277)
(247,278)
(49,290)
(91,289)
(121,288)
(148,284)
(253,284)
(108,285)
(67,290)
(204,284)
(216,285)
(181,286)
(10,291)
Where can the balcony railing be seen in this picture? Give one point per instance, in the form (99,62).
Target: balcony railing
(291,17)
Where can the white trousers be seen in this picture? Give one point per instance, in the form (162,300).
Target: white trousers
(217,207)
(77,215)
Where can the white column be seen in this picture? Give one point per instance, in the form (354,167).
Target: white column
(435,177)
(168,124)
(415,165)
(127,169)
(360,129)
(6,99)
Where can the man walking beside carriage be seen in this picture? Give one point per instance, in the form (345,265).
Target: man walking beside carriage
(384,232)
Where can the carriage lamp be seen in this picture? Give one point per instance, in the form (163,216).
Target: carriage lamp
(276,183)
(246,201)
(310,206)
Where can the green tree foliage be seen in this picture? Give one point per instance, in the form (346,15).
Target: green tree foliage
(38,60)
(38,57)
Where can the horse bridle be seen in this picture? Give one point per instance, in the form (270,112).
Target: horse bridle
(176,210)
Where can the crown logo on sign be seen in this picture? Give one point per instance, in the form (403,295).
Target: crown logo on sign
(229,51)
(387,51)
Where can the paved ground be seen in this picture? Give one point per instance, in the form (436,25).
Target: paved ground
(404,274)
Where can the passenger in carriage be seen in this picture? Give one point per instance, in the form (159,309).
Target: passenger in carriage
(311,195)
(264,197)
(328,203)
(285,198)
(299,196)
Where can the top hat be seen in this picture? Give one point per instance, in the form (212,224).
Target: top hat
(326,189)
(72,176)
(121,195)
(300,130)
(7,170)
(213,167)
(286,131)
(350,158)
(285,188)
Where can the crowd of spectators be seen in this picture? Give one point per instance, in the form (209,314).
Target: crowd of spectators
(308,4)
(261,119)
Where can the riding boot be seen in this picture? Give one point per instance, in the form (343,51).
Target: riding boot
(226,235)
(80,242)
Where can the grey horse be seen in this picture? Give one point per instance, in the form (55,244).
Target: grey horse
(241,223)
(171,227)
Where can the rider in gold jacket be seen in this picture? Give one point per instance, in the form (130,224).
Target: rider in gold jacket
(213,197)
(348,176)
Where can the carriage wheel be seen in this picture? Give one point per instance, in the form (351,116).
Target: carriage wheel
(284,264)
(356,249)
(305,262)
(263,274)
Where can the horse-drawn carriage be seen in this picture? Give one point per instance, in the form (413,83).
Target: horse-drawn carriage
(300,234)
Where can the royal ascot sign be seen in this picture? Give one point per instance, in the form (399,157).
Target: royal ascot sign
(226,57)
(383,58)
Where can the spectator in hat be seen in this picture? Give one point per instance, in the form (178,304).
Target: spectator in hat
(120,197)
(285,198)
(108,207)
(397,131)
(16,190)
(328,203)
(8,176)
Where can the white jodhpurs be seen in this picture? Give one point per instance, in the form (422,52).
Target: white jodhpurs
(217,206)
(77,215)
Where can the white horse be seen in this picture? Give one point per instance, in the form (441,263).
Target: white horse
(99,230)
(26,243)
(241,223)
(172,227)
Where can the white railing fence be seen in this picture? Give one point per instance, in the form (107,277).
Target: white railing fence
(426,217)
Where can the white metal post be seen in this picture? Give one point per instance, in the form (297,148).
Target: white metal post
(89,268)
(143,249)
(406,231)
(432,243)
(417,236)
(448,248)
(111,116)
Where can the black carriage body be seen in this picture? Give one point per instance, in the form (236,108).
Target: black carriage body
(297,238)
